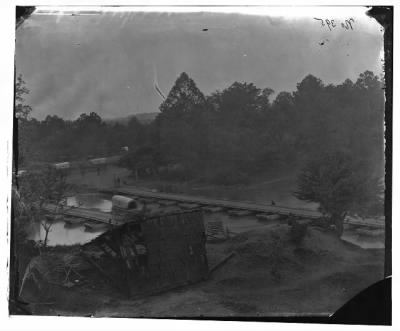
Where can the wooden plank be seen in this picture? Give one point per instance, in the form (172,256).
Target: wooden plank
(211,209)
(222,262)
(265,217)
(167,202)
(215,229)
(147,200)
(188,205)
(239,213)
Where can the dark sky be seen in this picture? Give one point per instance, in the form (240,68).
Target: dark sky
(105,63)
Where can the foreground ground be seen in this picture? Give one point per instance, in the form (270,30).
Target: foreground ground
(268,274)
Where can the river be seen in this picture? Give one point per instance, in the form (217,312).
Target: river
(62,233)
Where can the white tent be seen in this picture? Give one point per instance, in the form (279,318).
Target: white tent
(122,202)
(98,161)
(62,165)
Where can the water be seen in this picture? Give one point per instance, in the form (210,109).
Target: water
(365,238)
(78,234)
(61,235)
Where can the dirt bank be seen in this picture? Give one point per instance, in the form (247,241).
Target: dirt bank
(268,274)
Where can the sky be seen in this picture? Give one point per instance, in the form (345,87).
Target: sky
(107,62)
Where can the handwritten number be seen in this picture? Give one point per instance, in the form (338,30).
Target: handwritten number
(349,22)
(328,23)
(331,23)
(319,19)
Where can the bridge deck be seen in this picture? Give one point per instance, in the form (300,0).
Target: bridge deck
(239,205)
(258,208)
(85,213)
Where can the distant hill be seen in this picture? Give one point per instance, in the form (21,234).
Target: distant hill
(144,118)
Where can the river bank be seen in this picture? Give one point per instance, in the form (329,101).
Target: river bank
(268,275)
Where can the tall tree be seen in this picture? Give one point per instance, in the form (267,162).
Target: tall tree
(22,110)
(340,185)
(182,114)
(310,103)
(184,98)
(240,104)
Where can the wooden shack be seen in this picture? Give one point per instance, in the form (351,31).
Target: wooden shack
(151,255)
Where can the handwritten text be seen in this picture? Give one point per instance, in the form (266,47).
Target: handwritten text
(332,24)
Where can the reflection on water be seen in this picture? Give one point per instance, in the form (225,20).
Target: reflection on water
(374,239)
(59,235)
(62,233)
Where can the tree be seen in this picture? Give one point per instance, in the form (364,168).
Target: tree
(22,110)
(313,110)
(369,133)
(240,103)
(140,160)
(184,97)
(264,99)
(181,121)
(340,185)
(43,196)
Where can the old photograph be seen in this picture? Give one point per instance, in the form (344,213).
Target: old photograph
(185,162)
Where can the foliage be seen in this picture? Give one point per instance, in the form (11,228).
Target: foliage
(181,123)
(22,110)
(238,128)
(183,98)
(340,185)
(56,140)
(43,196)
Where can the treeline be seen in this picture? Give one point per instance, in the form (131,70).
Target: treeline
(55,139)
(229,135)
(238,132)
